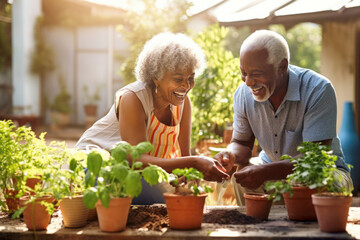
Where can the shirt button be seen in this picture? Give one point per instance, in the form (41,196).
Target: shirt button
(275,116)
(275,135)
(276,152)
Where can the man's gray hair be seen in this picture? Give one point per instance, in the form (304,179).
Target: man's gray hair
(274,43)
(168,52)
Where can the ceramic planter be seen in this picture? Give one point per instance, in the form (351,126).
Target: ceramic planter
(185,212)
(331,211)
(35,215)
(257,205)
(113,218)
(74,212)
(299,206)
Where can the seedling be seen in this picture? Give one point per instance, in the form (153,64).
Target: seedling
(115,177)
(187,182)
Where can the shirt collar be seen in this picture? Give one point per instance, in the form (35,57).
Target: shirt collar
(293,91)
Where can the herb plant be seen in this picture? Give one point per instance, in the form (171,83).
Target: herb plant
(70,182)
(315,168)
(191,185)
(115,177)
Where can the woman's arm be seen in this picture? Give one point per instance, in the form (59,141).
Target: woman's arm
(132,123)
(185,129)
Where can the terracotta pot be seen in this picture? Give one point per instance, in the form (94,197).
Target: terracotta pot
(257,205)
(11,201)
(331,211)
(299,206)
(185,212)
(31,182)
(113,218)
(90,109)
(74,212)
(92,215)
(35,215)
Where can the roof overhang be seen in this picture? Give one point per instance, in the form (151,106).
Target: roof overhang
(286,12)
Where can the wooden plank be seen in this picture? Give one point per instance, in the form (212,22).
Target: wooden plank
(277,227)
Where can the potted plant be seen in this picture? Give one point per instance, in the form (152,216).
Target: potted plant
(332,206)
(38,204)
(258,205)
(60,107)
(23,157)
(91,107)
(186,205)
(308,177)
(69,188)
(117,182)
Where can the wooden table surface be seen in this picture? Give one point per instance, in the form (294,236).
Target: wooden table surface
(277,227)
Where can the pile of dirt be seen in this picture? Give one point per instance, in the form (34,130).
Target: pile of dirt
(148,218)
(222,216)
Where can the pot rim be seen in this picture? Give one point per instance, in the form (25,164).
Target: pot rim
(170,194)
(258,196)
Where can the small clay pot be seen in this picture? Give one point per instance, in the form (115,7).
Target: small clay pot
(332,211)
(35,215)
(11,201)
(74,212)
(185,212)
(299,206)
(113,218)
(258,205)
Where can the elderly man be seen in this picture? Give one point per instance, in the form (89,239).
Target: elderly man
(280,105)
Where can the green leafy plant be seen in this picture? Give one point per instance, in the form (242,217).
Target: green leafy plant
(315,168)
(92,98)
(70,182)
(115,177)
(61,102)
(214,89)
(187,182)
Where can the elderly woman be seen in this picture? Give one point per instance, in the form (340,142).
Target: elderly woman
(156,108)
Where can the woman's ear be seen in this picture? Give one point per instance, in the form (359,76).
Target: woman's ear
(156,83)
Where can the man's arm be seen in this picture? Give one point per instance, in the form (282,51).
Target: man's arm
(242,151)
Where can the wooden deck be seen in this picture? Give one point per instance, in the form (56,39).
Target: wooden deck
(278,227)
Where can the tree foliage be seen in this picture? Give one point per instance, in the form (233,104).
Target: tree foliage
(212,96)
(5,35)
(140,25)
(304,43)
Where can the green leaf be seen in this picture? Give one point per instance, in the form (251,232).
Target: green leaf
(151,175)
(133,184)
(138,165)
(104,196)
(120,172)
(90,198)
(18,212)
(94,162)
(144,147)
(119,153)
(73,164)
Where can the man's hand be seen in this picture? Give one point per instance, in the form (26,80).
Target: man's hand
(251,176)
(226,158)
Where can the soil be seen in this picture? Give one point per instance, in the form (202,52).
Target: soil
(147,218)
(155,218)
(222,216)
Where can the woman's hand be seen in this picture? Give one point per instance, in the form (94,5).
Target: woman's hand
(211,168)
(227,159)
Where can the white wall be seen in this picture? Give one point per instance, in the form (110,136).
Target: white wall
(26,99)
(338,61)
(85,56)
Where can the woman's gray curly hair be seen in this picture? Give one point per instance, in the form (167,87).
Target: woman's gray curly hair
(168,52)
